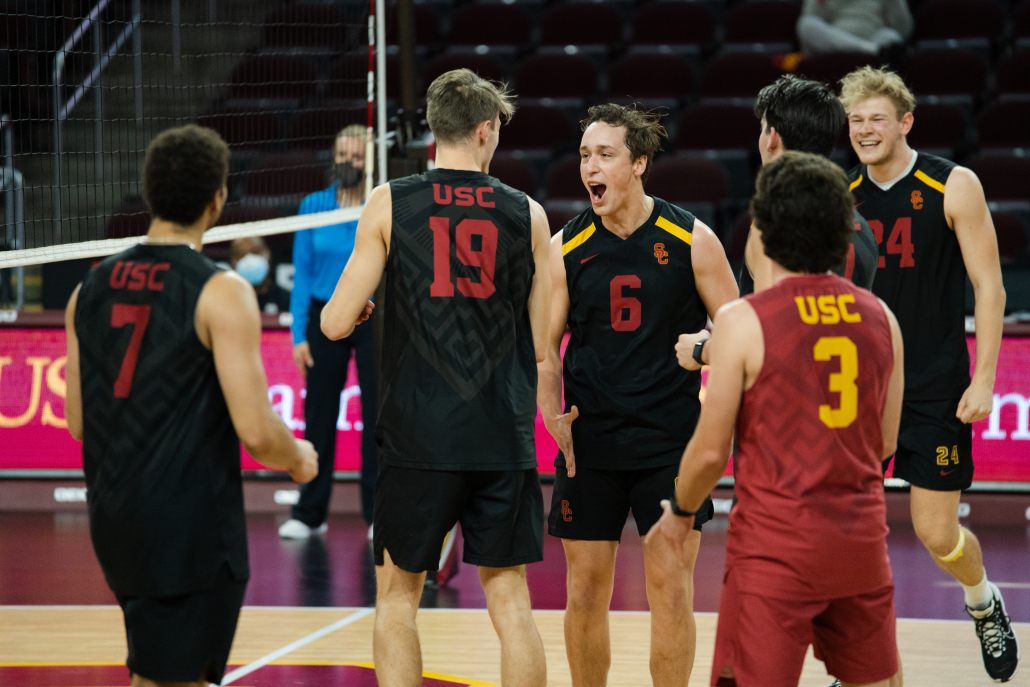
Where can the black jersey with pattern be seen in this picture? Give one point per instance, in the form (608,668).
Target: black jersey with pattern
(161,457)
(859,266)
(458,379)
(629,300)
(921,275)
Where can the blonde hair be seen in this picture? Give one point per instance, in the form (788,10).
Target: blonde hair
(868,82)
(353,131)
(460,100)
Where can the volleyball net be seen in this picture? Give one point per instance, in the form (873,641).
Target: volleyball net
(82,93)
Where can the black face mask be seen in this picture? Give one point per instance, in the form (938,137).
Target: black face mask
(347,175)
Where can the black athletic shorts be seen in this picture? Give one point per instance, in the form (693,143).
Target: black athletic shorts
(501,515)
(935,448)
(183,638)
(594,504)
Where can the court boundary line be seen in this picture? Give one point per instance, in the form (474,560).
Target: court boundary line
(371,609)
(293,646)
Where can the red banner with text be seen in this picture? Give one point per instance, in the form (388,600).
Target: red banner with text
(33,434)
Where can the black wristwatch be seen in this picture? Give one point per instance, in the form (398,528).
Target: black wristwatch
(698,348)
(676,510)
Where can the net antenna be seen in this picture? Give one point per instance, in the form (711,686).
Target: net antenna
(278,81)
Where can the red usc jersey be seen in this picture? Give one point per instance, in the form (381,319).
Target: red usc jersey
(810,523)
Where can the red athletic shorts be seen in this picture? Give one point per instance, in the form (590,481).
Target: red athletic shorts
(764,640)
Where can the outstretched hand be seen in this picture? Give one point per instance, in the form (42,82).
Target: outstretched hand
(675,529)
(560,428)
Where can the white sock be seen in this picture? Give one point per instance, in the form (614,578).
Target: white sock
(979,596)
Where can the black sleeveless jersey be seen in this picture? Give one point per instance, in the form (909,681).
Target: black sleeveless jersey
(458,378)
(921,275)
(629,300)
(161,457)
(859,266)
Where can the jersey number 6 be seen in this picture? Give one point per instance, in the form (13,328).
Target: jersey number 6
(484,257)
(621,304)
(842,382)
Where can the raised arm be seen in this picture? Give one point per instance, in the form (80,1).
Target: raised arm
(228,323)
(967,213)
(73,396)
(350,304)
(540,295)
(895,388)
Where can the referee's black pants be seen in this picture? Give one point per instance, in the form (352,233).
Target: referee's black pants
(325,382)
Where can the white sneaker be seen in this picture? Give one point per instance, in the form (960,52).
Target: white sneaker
(295,529)
(370,532)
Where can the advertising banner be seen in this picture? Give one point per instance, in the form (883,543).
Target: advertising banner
(33,432)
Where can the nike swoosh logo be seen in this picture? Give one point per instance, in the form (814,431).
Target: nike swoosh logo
(945,474)
(590,258)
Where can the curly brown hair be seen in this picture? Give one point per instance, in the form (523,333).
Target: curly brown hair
(644,130)
(805,212)
(183,170)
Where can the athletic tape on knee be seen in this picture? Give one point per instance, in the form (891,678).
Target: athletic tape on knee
(957,551)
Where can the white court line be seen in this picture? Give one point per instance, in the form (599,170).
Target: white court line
(318,634)
(999,585)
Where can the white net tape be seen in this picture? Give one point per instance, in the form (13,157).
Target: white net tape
(228,232)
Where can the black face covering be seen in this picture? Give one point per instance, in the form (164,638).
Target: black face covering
(347,175)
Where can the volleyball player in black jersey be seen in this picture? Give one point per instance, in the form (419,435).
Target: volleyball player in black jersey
(628,276)
(804,116)
(934,228)
(467,302)
(165,379)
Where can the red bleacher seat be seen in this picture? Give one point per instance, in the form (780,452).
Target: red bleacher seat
(974,24)
(718,127)
(952,74)
(491,25)
(736,239)
(1003,178)
(739,75)
(484,65)
(130,219)
(1012,239)
(581,24)
(427,26)
(681,180)
(939,129)
(1003,127)
(558,216)
(680,26)
(349,78)
(535,127)
(768,22)
(564,181)
(1014,75)
(651,77)
(557,76)
(515,173)
(832,67)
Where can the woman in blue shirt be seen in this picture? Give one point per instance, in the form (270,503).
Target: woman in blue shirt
(319,256)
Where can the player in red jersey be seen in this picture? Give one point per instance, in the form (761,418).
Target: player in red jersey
(809,373)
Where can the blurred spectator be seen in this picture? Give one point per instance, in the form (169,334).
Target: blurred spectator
(319,256)
(877,27)
(253,260)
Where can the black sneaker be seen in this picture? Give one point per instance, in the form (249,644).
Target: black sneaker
(997,640)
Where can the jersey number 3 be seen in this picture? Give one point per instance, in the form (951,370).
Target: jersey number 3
(485,257)
(842,382)
(138,316)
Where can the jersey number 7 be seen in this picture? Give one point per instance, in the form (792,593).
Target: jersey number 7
(138,316)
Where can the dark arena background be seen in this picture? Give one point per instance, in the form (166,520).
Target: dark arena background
(86,84)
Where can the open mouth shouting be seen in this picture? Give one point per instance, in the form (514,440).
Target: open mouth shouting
(597,191)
